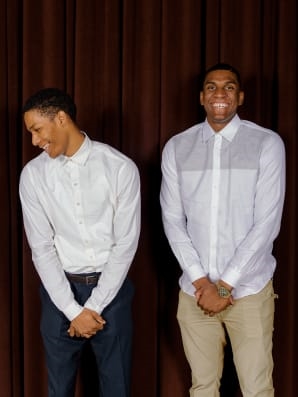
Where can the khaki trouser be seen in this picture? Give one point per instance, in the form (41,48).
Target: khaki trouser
(249,323)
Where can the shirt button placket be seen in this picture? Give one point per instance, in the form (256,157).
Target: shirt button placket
(214,206)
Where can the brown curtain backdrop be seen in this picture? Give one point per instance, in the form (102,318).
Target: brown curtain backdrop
(132,67)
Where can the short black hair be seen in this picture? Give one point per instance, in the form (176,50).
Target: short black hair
(221,66)
(49,101)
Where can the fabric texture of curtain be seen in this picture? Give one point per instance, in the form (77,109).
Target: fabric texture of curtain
(132,67)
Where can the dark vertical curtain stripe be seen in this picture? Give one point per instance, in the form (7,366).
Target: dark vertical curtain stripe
(132,67)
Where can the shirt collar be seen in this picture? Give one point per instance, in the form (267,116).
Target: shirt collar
(81,155)
(228,132)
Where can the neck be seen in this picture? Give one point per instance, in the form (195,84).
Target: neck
(76,141)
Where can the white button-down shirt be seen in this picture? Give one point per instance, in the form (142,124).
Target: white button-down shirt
(222,196)
(82,215)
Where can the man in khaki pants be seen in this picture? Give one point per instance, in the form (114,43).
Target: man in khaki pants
(222,196)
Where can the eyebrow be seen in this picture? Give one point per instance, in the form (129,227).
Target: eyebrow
(31,127)
(225,82)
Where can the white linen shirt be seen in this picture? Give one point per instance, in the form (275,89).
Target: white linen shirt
(81,215)
(222,196)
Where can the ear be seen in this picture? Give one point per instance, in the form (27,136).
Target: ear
(61,117)
(241,98)
(202,98)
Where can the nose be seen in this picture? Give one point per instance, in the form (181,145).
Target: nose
(220,91)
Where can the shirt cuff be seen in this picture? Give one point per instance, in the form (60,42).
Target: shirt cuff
(231,277)
(194,273)
(72,310)
(96,308)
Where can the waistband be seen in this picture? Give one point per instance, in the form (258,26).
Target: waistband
(86,279)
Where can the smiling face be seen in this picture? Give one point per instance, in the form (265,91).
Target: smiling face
(48,132)
(221,96)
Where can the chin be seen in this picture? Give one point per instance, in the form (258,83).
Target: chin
(53,155)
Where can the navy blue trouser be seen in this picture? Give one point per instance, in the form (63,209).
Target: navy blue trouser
(111,346)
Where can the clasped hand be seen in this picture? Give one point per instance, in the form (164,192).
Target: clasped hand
(86,324)
(209,300)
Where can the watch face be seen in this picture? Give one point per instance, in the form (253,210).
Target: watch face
(223,292)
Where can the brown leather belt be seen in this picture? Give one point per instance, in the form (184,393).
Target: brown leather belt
(86,279)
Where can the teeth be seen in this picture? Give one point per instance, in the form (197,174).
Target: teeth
(220,105)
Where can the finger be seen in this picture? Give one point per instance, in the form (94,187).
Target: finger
(71,332)
(198,295)
(99,319)
(98,325)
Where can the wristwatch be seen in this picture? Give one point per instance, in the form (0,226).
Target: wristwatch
(223,291)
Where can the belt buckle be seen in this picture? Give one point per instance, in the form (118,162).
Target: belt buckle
(90,279)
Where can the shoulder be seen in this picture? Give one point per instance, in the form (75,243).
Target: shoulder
(36,165)
(184,138)
(256,131)
(262,140)
(111,156)
(265,142)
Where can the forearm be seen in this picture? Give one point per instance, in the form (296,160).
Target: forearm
(126,237)
(267,212)
(55,282)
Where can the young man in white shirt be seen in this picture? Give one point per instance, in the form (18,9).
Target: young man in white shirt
(222,196)
(81,208)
